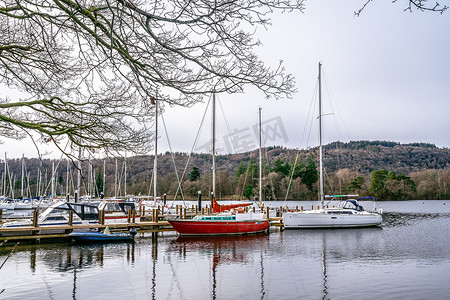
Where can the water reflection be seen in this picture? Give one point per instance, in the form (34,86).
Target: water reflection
(396,219)
(324,268)
(225,250)
(409,257)
(154,261)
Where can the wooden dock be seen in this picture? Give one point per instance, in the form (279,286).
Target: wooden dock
(159,226)
(145,225)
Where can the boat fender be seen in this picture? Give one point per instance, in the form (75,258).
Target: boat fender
(380,211)
(106,231)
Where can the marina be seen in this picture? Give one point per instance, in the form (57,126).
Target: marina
(153,221)
(407,257)
(117,117)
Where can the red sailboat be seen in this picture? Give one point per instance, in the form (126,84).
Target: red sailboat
(235,221)
(223,223)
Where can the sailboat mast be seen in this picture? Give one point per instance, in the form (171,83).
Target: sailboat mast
(53,181)
(104,176)
(320,139)
(78,192)
(260,158)
(214,145)
(155,163)
(67,178)
(125,175)
(23,175)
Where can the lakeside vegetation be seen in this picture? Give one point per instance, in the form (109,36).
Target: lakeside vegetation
(385,170)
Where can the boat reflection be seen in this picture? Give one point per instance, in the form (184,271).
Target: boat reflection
(324,268)
(63,259)
(225,250)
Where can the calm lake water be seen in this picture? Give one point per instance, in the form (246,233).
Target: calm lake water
(407,258)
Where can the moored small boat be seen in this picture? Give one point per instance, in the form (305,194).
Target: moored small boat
(102,237)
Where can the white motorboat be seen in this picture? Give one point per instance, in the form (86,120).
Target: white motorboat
(83,214)
(56,214)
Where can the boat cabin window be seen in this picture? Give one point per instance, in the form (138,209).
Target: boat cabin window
(56,218)
(340,212)
(224,218)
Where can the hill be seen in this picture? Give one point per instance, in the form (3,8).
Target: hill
(357,158)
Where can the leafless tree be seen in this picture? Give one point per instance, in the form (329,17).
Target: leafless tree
(87,70)
(421,5)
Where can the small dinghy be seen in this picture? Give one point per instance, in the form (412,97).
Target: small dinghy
(102,237)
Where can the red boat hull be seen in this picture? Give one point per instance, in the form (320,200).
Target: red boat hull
(196,227)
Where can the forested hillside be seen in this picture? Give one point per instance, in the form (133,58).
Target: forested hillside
(387,170)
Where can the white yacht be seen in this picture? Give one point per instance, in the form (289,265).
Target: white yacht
(348,214)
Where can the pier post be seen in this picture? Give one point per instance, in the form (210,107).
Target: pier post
(185,213)
(35,217)
(134,215)
(156,215)
(199,200)
(267,213)
(301,208)
(312,207)
(254,210)
(162,210)
(101,217)
(181,213)
(129,216)
(176,207)
(71,218)
(153,214)
(165,199)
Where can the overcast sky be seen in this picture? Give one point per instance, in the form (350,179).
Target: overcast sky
(388,72)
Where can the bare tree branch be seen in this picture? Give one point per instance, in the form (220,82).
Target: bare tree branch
(90,67)
(422,5)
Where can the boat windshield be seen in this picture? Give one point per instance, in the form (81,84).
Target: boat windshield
(352,204)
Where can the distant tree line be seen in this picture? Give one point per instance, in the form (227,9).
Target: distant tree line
(380,169)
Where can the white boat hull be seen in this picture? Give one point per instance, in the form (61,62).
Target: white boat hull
(321,219)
